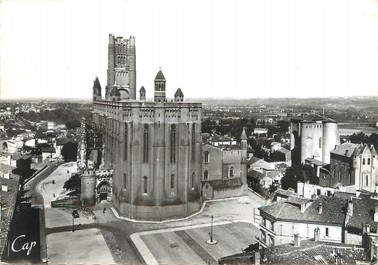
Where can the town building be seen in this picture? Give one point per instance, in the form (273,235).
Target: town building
(224,169)
(352,165)
(154,147)
(312,137)
(322,217)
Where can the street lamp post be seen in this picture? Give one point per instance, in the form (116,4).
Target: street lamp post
(211,233)
(211,236)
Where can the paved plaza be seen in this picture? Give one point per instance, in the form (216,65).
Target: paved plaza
(189,245)
(113,240)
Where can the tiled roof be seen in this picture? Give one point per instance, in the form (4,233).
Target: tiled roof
(363,212)
(345,149)
(315,162)
(255,174)
(220,138)
(333,211)
(284,192)
(309,251)
(224,183)
(253,160)
(8,203)
(6,168)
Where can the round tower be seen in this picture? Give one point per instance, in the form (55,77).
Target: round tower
(306,141)
(88,188)
(331,138)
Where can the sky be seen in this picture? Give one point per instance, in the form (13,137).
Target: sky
(217,49)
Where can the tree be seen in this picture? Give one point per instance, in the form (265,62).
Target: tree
(73,124)
(373,138)
(272,189)
(359,138)
(302,173)
(73,183)
(69,152)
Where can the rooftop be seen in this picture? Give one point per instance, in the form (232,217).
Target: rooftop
(363,212)
(224,183)
(8,203)
(333,210)
(311,252)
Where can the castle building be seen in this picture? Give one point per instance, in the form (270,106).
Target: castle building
(312,137)
(352,165)
(154,147)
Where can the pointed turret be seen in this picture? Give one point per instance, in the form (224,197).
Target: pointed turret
(243,144)
(115,95)
(179,96)
(96,89)
(142,93)
(159,87)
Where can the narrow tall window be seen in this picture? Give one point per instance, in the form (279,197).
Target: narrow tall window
(320,142)
(368,162)
(363,161)
(145,144)
(145,184)
(340,172)
(173,143)
(193,179)
(126,142)
(327,231)
(231,171)
(193,141)
(172,181)
(367,180)
(207,157)
(124,180)
(205,175)
(350,178)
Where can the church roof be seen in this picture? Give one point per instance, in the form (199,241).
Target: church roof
(345,149)
(243,135)
(142,89)
(179,93)
(160,76)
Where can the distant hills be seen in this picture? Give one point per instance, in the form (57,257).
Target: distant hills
(361,102)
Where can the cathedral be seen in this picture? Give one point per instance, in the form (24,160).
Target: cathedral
(154,147)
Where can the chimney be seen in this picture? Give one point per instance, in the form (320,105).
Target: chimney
(316,234)
(320,208)
(297,240)
(358,192)
(256,257)
(350,207)
(4,187)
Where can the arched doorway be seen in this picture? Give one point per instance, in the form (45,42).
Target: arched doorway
(104,191)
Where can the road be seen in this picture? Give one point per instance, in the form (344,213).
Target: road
(37,202)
